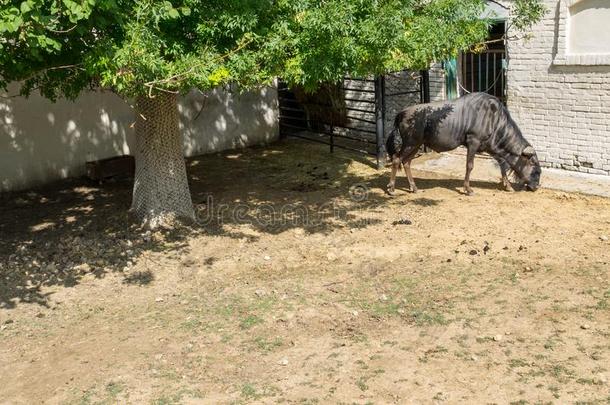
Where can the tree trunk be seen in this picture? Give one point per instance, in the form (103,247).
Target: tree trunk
(160,191)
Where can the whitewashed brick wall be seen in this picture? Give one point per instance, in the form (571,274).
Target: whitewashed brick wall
(437,82)
(562,109)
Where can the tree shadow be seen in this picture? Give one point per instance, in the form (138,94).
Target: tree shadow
(56,235)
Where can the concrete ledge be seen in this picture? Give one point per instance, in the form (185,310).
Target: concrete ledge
(486,169)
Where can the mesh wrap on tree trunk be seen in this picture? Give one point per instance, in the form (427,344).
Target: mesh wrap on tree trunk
(161,192)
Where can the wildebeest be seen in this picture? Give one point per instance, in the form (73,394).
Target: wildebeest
(479,122)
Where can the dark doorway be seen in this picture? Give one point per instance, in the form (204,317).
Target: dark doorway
(485,71)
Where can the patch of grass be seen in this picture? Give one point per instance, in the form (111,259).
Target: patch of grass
(267,345)
(191,325)
(431,353)
(106,396)
(361,383)
(85,399)
(250,321)
(176,397)
(514,363)
(428,318)
(554,390)
(114,389)
(463,354)
(589,381)
(604,302)
(248,391)
(561,373)
(362,364)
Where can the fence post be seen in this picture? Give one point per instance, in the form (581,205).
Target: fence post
(332,136)
(425,86)
(379,119)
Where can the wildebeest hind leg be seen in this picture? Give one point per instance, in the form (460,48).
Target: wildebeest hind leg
(406,164)
(391,185)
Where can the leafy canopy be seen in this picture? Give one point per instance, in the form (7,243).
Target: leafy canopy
(138,47)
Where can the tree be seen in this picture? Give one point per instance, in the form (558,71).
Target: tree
(150,51)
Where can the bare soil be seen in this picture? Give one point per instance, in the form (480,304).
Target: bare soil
(307,284)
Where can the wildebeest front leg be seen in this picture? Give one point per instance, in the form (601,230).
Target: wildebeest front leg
(391,185)
(472,146)
(504,169)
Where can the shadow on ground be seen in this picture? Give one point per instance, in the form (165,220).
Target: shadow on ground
(54,236)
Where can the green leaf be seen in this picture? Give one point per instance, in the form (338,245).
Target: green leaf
(26,6)
(173,13)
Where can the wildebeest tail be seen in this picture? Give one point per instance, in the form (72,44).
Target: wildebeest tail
(394,142)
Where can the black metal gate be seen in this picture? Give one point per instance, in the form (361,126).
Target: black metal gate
(356,114)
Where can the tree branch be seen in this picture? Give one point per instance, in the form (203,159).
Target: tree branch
(152,83)
(499,4)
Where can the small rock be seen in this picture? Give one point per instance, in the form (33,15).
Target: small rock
(283,362)
(528,269)
(585,326)
(355,313)
(497,338)
(260,292)
(158,299)
(473,358)
(383,297)
(267,257)
(474,252)
(603,238)
(403,221)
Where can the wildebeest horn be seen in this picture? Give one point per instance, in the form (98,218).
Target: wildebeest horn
(528,151)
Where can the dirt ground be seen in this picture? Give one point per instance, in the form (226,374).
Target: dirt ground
(305,283)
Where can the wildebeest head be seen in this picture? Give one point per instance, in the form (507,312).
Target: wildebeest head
(528,169)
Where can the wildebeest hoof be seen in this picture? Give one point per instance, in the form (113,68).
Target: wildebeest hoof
(390,189)
(469,192)
(508,187)
(415,190)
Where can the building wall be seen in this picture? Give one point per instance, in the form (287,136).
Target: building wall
(41,141)
(559,97)
(437,82)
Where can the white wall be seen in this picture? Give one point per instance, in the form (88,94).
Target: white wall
(561,100)
(41,141)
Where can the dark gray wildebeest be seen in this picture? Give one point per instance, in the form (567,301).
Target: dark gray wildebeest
(479,122)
